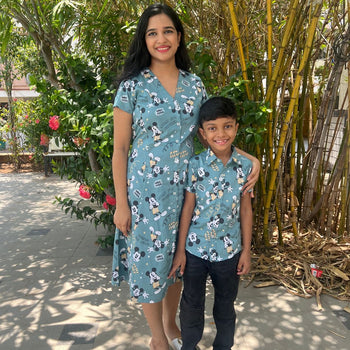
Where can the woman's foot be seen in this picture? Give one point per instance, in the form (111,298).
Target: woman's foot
(159,344)
(172,333)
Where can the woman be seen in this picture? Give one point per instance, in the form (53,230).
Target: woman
(156,110)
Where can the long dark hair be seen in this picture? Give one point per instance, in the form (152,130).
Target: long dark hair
(138,56)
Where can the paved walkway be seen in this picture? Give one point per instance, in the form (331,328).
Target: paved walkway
(55,291)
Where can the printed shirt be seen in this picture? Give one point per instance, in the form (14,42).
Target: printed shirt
(215,233)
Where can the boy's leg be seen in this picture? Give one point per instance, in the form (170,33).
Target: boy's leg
(225,281)
(193,301)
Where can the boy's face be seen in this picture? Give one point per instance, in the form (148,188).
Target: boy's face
(219,133)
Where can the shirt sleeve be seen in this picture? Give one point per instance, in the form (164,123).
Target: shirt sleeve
(125,98)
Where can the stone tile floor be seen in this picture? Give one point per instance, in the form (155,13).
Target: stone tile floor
(55,291)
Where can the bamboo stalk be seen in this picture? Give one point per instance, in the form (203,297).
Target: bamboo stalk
(283,65)
(294,96)
(239,46)
(227,56)
(318,145)
(293,201)
(345,187)
(281,55)
(269,40)
(269,74)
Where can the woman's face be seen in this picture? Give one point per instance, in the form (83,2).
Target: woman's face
(162,39)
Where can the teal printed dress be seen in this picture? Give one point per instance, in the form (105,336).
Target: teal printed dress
(162,143)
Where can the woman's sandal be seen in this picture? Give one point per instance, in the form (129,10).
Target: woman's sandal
(177,344)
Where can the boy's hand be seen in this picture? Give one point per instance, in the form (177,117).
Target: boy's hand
(179,263)
(243,266)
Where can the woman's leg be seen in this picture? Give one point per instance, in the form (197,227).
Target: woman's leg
(170,306)
(153,314)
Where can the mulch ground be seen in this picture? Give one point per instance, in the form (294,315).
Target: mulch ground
(308,266)
(6,168)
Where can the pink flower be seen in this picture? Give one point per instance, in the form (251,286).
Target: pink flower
(37,121)
(110,200)
(54,122)
(44,140)
(84,191)
(26,116)
(105,205)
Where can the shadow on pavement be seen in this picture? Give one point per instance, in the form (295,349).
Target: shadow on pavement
(55,291)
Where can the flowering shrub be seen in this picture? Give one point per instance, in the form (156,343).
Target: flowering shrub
(85,191)
(84,124)
(110,200)
(44,140)
(54,123)
(10,132)
(78,141)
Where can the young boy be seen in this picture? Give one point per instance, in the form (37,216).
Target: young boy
(215,227)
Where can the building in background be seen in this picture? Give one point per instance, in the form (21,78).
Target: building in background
(20,90)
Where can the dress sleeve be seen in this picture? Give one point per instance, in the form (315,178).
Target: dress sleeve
(191,179)
(125,99)
(204,92)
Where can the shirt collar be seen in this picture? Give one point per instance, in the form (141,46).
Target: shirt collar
(235,156)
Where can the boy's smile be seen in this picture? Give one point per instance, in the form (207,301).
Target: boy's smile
(219,134)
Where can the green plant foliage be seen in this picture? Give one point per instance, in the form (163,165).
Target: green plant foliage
(87,44)
(252,115)
(86,212)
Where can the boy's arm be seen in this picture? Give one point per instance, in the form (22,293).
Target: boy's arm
(179,260)
(246,215)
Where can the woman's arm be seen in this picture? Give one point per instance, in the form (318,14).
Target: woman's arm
(246,216)
(121,138)
(253,177)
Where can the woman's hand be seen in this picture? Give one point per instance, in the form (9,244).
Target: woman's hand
(252,177)
(122,219)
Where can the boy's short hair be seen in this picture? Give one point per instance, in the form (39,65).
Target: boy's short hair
(216,107)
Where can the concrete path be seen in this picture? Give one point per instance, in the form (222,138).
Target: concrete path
(55,291)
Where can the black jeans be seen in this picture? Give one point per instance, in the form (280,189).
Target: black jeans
(225,281)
